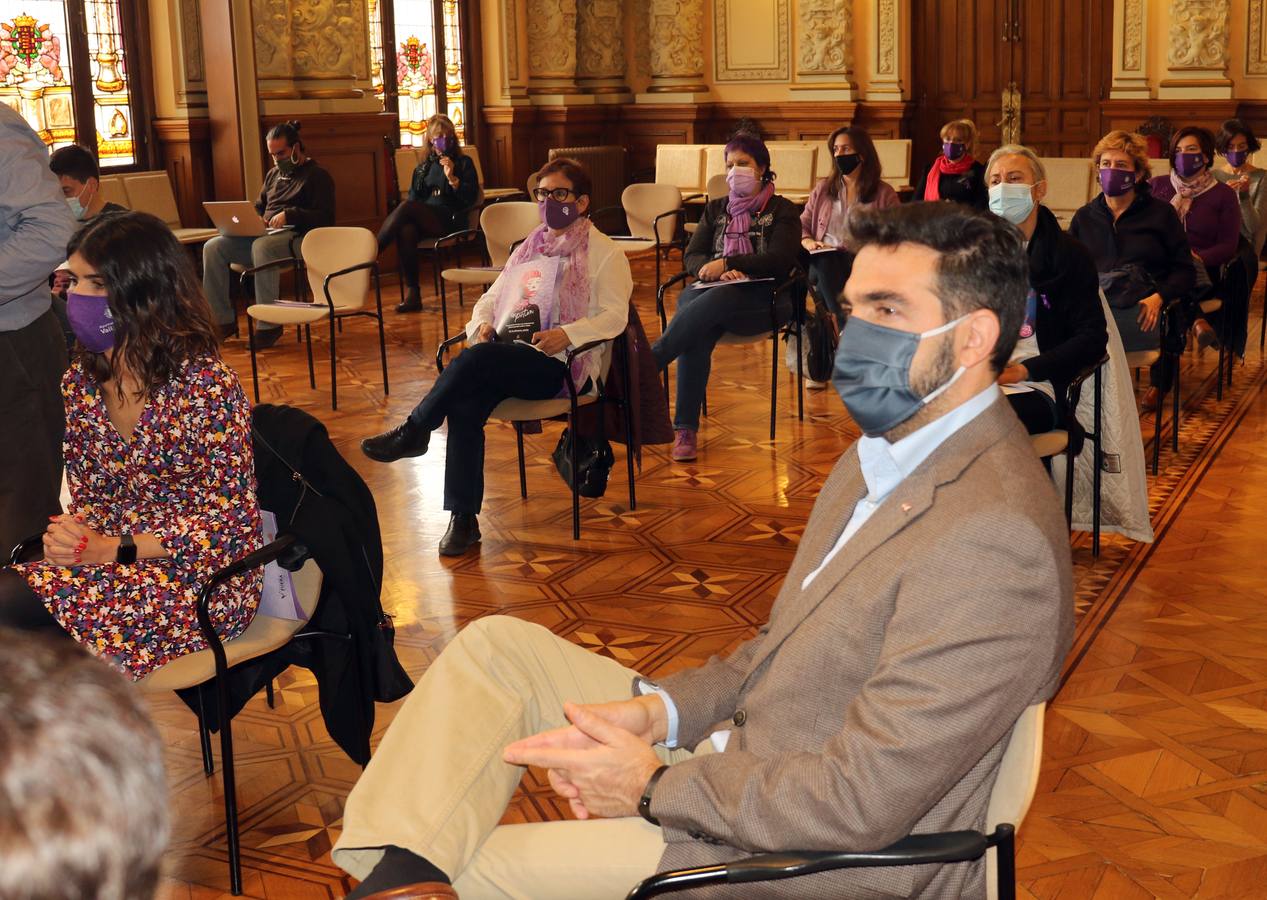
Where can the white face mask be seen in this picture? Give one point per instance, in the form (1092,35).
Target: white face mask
(1013,202)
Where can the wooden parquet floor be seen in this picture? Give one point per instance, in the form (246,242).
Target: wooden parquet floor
(1155,768)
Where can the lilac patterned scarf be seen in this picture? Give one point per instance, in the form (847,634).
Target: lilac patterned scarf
(739,220)
(573,244)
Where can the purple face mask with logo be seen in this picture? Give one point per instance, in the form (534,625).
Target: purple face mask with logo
(558,215)
(1189,164)
(91,321)
(1236,158)
(953,150)
(1116,182)
(440,144)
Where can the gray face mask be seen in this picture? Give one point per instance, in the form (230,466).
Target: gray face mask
(872,374)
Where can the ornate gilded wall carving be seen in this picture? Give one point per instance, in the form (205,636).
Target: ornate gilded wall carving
(510,17)
(311,39)
(1255,40)
(677,38)
(825,36)
(1198,34)
(599,39)
(552,41)
(191,40)
(886,38)
(1132,35)
(640,15)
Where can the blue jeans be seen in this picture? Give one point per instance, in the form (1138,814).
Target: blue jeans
(702,317)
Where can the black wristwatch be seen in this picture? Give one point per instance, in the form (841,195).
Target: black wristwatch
(644,805)
(127,549)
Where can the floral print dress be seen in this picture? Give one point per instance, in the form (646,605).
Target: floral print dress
(186,476)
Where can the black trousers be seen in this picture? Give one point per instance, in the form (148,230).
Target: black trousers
(828,273)
(1036,411)
(32,361)
(467,391)
(408,224)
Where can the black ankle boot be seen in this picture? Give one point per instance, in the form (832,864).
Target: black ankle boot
(462,535)
(403,440)
(412,301)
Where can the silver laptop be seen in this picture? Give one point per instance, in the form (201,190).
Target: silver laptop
(238,218)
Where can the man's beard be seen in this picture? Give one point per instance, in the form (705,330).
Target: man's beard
(939,371)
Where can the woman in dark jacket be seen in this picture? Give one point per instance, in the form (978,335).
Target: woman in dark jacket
(1139,246)
(750,234)
(444,184)
(1064,330)
(954,174)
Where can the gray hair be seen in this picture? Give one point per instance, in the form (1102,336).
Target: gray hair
(1035,164)
(83,797)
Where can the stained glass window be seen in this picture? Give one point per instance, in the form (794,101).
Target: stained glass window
(426,55)
(35,71)
(38,39)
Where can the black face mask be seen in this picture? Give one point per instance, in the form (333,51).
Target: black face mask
(846,164)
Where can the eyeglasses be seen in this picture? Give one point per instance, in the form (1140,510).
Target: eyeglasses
(561,195)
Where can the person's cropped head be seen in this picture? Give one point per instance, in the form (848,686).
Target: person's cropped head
(285,146)
(855,157)
(958,139)
(442,136)
(135,303)
(1121,162)
(80,177)
(1236,142)
(563,193)
(747,164)
(1017,182)
(937,293)
(1192,151)
(83,798)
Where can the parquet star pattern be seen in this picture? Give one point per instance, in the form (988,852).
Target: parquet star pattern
(1153,781)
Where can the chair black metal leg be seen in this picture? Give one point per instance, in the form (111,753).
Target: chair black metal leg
(1005,859)
(444,308)
(1070,460)
(800,370)
(334,382)
(1097,462)
(774,378)
(576,493)
(204,736)
(1157,432)
(1174,417)
(230,793)
(1218,379)
(312,373)
(250,340)
(382,336)
(523,475)
(268,695)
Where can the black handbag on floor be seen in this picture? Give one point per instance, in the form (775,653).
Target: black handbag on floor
(594,460)
(822,335)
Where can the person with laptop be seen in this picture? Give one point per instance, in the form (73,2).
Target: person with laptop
(298,195)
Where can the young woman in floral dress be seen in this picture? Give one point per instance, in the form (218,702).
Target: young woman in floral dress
(158,460)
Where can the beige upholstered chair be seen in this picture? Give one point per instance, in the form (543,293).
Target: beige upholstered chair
(341,262)
(1010,799)
(151,192)
(504,225)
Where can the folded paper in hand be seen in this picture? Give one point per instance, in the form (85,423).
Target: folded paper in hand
(704,285)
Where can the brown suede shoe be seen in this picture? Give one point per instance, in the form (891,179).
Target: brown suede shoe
(423,890)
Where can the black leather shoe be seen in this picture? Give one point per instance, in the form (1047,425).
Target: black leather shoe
(267,337)
(411,303)
(403,440)
(463,534)
(228,331)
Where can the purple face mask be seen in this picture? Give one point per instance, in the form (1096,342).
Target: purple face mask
(440,144)
(1116,182)
(1236,158)
(953,150)
(558,215)
(91,321)
(1189,164)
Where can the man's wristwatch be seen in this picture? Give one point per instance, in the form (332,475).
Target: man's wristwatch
(127,549)
(644,804)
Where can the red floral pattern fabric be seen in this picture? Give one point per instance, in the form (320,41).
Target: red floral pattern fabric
(186,476)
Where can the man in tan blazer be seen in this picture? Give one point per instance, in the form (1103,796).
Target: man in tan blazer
(930,603)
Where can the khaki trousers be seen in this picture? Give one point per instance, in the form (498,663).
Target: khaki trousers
(437,785)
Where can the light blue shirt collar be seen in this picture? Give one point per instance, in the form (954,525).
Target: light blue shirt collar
(885,465)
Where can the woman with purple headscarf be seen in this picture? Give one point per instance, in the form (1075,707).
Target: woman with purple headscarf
(750,234)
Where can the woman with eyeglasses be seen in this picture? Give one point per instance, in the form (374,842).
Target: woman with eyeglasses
(159,461)
(566,285)
(443,185)
(744,247)
(855,184)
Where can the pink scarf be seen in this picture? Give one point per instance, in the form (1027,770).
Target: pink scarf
(942,166)
(1185,193)
(739,220)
